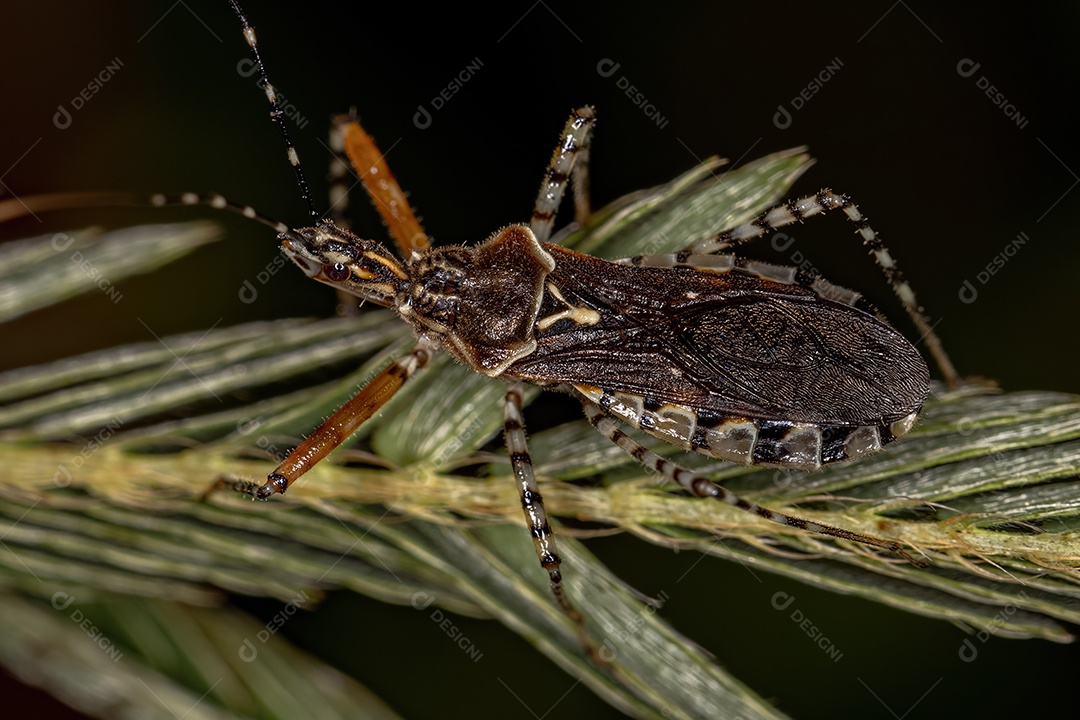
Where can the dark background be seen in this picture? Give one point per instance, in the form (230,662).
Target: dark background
(944,175)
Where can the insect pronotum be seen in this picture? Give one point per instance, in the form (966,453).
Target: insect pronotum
(734,359)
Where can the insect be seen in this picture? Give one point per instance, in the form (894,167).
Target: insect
(734,359)
(730,358)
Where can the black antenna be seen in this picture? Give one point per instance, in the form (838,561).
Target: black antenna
(13,208)
(276,113)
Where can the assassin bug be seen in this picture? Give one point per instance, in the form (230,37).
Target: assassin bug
(734,359)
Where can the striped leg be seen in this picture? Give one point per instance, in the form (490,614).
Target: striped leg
(571,157)
(339,177)
(825,200)
(339,426)
(532,503)
(580,179)
(703,487)
(339,203)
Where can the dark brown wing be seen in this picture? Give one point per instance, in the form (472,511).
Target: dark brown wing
(732,343)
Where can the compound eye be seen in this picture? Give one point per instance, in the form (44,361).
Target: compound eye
(338,272)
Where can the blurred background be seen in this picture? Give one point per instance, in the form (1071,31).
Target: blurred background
(947,125)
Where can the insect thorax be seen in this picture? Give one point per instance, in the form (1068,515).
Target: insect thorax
(454,289)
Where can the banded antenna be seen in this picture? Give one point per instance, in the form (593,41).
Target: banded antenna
(277,115)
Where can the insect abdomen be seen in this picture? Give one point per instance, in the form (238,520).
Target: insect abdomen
(726,363)
(749,441)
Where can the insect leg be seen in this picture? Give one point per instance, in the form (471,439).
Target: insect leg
(571,157)
(382,187)
(339,204)
(822,202)
(579,179)
(532,503)
(338,176)
(337,428)
(386,194)
(703,487)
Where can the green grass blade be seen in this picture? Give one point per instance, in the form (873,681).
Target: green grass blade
(42,271)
